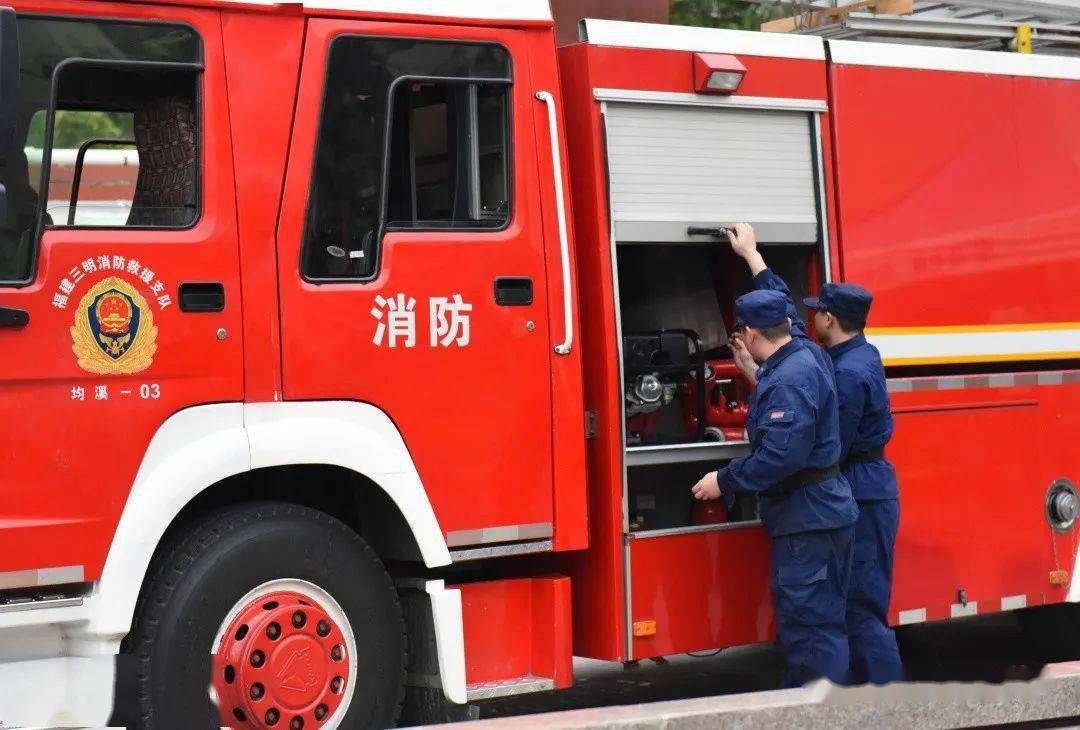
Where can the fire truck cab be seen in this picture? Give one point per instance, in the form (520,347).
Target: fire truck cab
(358,357)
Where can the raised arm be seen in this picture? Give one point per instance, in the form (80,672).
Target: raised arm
(744,244)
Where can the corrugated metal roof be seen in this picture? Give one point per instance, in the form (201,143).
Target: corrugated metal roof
(976,24)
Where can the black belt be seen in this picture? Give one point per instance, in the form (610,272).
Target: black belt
(803,478)
(859,456)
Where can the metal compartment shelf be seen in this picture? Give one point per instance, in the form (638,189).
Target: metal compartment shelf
(681,453)
(692,529)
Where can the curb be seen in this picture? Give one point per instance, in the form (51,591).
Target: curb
(1054,695)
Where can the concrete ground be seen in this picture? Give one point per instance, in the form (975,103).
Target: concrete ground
(598,684)
(984,648)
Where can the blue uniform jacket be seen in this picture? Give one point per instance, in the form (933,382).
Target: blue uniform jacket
(866,422)
(767,279)
(792,425)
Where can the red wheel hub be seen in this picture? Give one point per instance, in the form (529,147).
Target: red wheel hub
(283,663)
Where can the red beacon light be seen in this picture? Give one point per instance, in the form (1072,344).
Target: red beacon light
(717,73)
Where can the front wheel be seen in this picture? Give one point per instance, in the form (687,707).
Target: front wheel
(301,617)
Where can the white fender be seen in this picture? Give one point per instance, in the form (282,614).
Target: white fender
(449,639)
(200,446)
(356,436)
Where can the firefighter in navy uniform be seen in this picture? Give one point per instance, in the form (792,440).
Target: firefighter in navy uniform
(805,504)
(866,425)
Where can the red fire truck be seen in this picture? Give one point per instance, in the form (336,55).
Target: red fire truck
(386,382)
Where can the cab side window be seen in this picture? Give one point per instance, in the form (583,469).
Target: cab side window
(142,175)
(111,105)
(101,146)
(448,157)
(414,135)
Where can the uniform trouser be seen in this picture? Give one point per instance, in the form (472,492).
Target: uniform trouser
(874,656)
(809,582)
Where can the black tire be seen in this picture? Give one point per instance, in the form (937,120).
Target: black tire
(205,572)
(427,705)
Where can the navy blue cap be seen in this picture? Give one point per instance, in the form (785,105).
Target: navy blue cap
(761,308)
(847,301)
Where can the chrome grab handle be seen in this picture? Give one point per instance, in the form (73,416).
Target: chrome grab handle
(560,211)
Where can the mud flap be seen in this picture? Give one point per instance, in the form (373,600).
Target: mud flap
(425,700)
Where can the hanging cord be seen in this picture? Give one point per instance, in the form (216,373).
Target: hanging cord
(1053,544)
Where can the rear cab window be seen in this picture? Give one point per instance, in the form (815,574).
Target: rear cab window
(107,134)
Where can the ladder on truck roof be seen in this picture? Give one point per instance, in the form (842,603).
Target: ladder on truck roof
(1051,26)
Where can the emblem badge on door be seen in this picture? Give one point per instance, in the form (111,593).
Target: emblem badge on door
(114,332)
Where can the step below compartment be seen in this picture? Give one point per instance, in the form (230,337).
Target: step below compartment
(518,636)
(700,590)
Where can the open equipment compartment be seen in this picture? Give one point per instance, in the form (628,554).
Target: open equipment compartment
(677,163)
(664,159)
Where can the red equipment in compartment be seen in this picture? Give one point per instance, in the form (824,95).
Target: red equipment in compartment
(710,512)
(727,395)
(643,425)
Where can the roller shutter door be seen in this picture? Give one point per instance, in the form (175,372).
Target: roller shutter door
(672,167)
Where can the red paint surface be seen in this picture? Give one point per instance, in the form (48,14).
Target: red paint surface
(567,385)
(486,457)
(704,590)
(68,500)
(673,71)
(69,464)
(981,459)
(958,187)
(261,108)
(514,628)
(599,618)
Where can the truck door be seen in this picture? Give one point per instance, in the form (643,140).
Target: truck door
(100,343)
(411,259)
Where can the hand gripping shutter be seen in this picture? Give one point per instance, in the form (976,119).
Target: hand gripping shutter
(672,167)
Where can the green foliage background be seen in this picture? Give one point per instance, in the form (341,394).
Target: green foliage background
(725,13)
(73,128)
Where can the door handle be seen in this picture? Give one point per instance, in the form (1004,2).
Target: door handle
(14,317)
(560,214)
(202,296)
(513,291)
